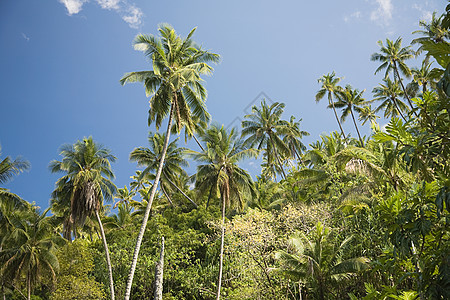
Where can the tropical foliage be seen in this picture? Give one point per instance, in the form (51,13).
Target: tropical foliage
(342,218)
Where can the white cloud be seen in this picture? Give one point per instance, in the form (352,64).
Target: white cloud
(355,15)
(109,4)
(129,12)
(73,6)
(133,17)
(25,37)
(383,14)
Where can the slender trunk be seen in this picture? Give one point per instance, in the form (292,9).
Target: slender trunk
(337,118)
(398,109)
(29,286)
(149,206)
(198,143)
(186,196)
(209,196)
(219,284)
(159,270)
(357,130)
(167,196)
(404,90)
(108,261)
(276,156)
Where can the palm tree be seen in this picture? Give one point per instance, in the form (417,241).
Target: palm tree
(318,261)
(390,94)
(29,249)
(433,31)
(393,58)
(351,99)
(425,76)
(88,180)
(330,87)
(265,129)
(220,174)
(293,136)
(177,91)
(173,163)
(367,114)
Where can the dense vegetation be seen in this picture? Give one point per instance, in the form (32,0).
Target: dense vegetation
(345,218)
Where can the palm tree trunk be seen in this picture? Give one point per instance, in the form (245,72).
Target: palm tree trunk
(198,143)
(219,284)
(337,118)
(277,158)
(186,196)
(357,130)
(149,206)
(159,274)
(404,90)
(398,109)
(108,261)
(28,286)
(165,194)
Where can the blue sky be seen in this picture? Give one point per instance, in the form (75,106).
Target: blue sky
(61,61)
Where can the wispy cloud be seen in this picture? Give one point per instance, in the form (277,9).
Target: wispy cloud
(383,14)
(354,16)
(25,37)
(426,14)
(133,17)
(130,13)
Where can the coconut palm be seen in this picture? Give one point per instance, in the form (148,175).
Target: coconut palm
(87,166)
(176,91)
(425,76)
(265,129)
(433,31)
(173,163)
(351,99)
(329,86)
(393,58)
(318,261)
(219,174)
(390,93)
(367,114)
(293,136)
(29,249)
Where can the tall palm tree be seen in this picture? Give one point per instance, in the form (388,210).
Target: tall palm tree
(176,91)
(265,129)
(87,166)
(329,86)
(433,31)
(29,249)
(351,99)
(173,163)
(318,261)
(293,136)
(393,58)
(220,174)
(367,114)
(425,76)
(390,94)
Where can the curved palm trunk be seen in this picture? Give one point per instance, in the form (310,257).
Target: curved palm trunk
(186,196)
(219,284)
(337,118)
(167,196)
(108,261)
(149,206)
(357,130)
